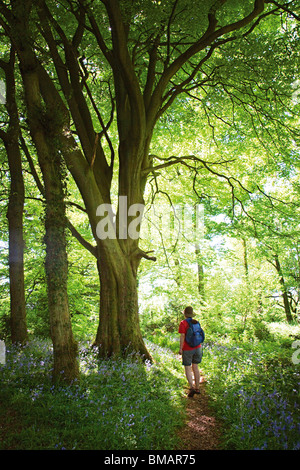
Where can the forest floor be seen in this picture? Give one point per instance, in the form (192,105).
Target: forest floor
(202,430)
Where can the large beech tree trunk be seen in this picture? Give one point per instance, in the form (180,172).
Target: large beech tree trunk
(119,330)
(117,261)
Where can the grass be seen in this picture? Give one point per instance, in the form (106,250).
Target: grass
(253,381)
(119,404)
(126,404)
(255,390)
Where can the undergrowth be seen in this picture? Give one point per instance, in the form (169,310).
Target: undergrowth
(255,390)
(253,382)
(128,404)
(118,404)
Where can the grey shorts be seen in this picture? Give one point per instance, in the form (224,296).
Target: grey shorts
(194,356)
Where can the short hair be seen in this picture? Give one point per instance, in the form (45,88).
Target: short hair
(188,311)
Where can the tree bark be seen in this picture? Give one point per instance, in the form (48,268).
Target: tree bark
(246,266)
(44,124)
(15,210)
(56,266)
(119,330)
(18,324)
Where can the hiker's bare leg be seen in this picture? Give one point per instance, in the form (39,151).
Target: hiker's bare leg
(189,375)
(196,372)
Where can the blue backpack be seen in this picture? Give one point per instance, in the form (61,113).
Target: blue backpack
(195,334)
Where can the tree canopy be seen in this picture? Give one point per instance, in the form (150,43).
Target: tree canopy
(118,103)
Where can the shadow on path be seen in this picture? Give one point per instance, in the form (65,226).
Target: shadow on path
(202,430)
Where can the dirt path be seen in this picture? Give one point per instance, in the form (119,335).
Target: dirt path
(202,431)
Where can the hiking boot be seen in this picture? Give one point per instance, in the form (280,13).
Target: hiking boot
(197,391)
(191,393)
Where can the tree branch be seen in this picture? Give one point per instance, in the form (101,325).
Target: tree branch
(122,64)
(31,166)
(173,160)
(92,249)
(284,8)
(207,39)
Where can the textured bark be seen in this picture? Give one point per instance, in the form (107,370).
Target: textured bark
(18,322)
(119,331)
(45,125)
(15,210)
(56,265)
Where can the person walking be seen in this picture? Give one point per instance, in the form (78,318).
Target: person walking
(191,355)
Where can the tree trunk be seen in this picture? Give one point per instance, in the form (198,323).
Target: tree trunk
(246,266)
(19,332)
(285,298)
(15,210)
(56,265)
(117,258)
(45,125)
(117,262)
(119,329)
(246,270)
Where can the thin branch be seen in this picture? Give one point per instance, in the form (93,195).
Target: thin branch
(173,160)
(285,8)
(169,32)
(78,206)
(31,165)
(104,127)
(207,39)
(92,249)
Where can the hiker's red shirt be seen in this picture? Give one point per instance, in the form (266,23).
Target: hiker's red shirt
(183,327)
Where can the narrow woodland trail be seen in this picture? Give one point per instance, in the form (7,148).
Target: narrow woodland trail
(202,430)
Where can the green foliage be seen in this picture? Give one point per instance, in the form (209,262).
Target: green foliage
(255,390)
(234,134)
(253,383)
(116,406)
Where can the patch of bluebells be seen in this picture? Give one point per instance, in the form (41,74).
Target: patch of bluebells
(267,419)
(116,405)
(26,364)
(259,398)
